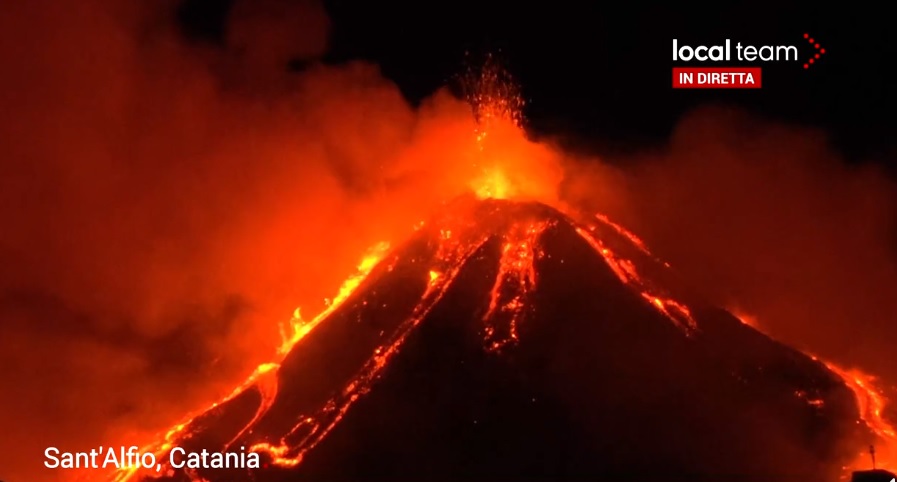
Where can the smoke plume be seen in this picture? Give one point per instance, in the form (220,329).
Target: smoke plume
(165,204)
(772,222)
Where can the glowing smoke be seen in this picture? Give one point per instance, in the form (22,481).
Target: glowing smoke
(165,205)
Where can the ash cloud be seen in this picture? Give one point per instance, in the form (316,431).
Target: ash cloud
(772,222)
(165,204)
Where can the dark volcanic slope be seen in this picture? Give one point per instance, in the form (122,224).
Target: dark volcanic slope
(573,369)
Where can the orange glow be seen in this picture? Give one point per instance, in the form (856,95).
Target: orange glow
(263,379)
(298,328)
(497,107)
(626,272)
(746,319)
(516,278)
(872,405)
(492,185)
(311,430)
(813,402)
(625,232)
(506,164)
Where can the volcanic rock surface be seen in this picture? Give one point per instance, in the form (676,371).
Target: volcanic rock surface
(506,341)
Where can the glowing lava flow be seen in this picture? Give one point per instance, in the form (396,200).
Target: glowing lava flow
(495,98)
(516,278)
(298,327)
(263,379)
(635,240)
(291,448)
(871,404)
(627,273)
(449,250)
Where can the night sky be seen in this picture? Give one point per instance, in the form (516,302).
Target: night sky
(603,72)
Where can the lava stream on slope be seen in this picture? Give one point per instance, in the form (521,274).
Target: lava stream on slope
(507,340)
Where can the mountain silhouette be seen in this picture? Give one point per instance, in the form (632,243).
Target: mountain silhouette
(507,341)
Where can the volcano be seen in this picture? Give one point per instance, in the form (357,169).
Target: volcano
(508,341)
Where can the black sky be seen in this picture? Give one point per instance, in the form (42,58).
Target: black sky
(603,71)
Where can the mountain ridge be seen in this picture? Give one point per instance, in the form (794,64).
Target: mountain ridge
(506,339)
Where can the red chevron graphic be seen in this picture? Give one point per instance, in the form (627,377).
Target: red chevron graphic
(819,51)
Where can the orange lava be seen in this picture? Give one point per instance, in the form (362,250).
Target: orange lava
(297,328)
(627,273)
(263,379)
(506,165)
(290,449)
(493,184)
(625,232)
(746,319)
(516,278)
(872,404)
